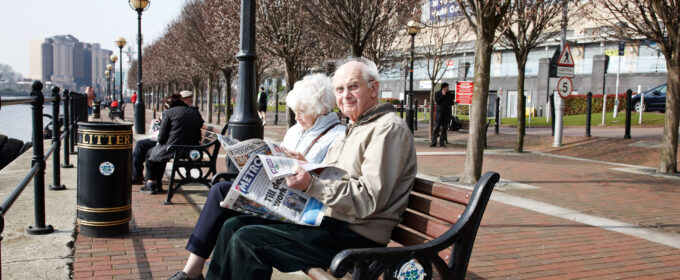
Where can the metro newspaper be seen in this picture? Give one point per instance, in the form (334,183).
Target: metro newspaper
(260,188)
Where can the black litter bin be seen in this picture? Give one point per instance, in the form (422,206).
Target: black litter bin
(104,178)
(96,109)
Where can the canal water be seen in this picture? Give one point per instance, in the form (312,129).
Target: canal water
(16,121)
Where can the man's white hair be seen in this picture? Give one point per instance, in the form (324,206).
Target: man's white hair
(312,95)
(368,69)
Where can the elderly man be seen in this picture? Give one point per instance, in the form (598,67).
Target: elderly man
(378,154)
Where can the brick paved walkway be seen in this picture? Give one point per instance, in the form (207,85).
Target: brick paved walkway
(512,243)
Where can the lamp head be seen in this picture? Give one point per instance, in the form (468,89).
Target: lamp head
(120,42)
(106,73)
(114,58)
(413,27)
(109,67)
(139,5)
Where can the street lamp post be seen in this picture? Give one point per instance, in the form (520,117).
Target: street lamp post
(113,58)
(107,73)
(412,28)
(139,6)
(121,43)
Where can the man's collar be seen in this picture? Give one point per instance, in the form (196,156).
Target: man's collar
(374,112)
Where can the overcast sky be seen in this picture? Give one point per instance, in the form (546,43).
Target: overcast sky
(91,21)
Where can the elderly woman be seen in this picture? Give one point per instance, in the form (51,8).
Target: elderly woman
(312,99)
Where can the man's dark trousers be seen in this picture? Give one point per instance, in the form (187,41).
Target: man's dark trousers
(249,247)
(140,154)
(440,127)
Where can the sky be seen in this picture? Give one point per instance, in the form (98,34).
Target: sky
(90,21)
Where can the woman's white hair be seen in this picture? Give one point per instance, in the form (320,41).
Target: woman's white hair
(312,95)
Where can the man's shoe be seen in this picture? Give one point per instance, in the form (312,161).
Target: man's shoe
(149,188)
(183,276)
(433,145)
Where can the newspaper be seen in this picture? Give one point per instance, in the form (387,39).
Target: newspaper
(253,192)
(240,152)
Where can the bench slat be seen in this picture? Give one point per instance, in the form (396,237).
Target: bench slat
(408,237)
(424,224)
(435,207)
(443,191)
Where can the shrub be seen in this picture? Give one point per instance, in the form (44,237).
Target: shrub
(578,104)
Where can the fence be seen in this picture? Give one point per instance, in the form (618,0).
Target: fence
(75,109)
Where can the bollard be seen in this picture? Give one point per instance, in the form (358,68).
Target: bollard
(552,113)
(629,108)
(56,140)
(401,110)
(588,111)
(67,130)
(38,159)
(72,121)
(498,115)
(96,109)
(415,116)
(104,178)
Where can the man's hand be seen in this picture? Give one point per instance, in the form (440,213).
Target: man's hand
(301,180)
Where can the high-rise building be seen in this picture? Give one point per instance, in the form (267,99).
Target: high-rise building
(66,62)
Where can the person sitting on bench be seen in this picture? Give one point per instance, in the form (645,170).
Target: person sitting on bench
(181,125)
(317,128)
(378,154)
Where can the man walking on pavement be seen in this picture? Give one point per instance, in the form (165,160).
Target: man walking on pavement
(444,101)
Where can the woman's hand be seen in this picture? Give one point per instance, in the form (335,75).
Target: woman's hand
(301,180)
(293,154)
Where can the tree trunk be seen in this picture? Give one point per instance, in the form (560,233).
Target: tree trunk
(196,85)
(210,97)
(669,151)
(291,78)
(227,78)
(521,108)
(219,103)
(474,153)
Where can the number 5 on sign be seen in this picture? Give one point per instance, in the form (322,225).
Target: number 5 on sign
(564,87)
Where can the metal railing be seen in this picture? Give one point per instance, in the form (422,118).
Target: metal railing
(75,109)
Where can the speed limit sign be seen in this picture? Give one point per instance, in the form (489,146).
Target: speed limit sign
(564,87)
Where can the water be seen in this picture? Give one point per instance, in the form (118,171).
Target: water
(16,121)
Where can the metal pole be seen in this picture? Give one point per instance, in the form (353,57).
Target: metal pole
(113,82)
(56,140)
(552,113)
(73,105)
(498,115)
(616,93)
(629,107)
(588,112)
(642,102)
(409,115)
(557,141)
(415,115)
(140,117)
(38,159)
(121,102)
(245,123)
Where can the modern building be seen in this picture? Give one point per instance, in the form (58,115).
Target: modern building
(640,65)
(66,62)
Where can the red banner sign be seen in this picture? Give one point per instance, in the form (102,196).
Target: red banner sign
(464,93)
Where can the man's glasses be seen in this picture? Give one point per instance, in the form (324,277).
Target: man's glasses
(353,87)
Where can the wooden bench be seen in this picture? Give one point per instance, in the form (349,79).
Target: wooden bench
(195,164)
(438,231)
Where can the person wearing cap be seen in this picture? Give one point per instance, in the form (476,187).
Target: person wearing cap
(181,125)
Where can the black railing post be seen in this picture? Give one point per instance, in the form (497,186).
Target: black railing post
(496,126)
(401,110)
(67,129)
(38,159)
(415,115)
(56,141)
(629,108)
(589,110)
(74,107)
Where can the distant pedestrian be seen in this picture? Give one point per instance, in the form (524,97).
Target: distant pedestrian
(262,105)
(442,115)
(133,98)
(89,92)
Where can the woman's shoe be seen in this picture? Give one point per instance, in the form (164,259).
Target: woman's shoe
(149,188)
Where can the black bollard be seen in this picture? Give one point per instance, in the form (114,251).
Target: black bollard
(67,131)
(276,107)
(401,109)
(588,112)
(39,160)
(629,108)
(72,120)
(552,113)
(104,187)
(56,140)
(498,115)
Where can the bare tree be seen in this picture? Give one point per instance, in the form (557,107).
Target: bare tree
(438,41)
(484,17)
(361,23)
(657,21)
(530,22)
